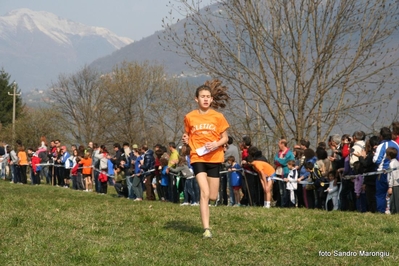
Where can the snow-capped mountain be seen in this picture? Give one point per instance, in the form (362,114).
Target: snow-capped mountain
(37,46)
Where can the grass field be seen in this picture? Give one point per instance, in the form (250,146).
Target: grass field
(44,225)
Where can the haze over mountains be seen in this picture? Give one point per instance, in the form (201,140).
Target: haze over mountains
(147,49)
(37,46)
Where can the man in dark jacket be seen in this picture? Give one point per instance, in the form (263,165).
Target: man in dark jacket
(147,165)
(116,159)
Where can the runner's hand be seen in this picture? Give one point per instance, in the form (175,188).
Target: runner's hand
(211,145)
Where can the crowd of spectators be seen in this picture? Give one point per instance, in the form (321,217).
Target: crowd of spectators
(349,172)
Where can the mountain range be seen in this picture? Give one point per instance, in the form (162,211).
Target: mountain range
(37,46)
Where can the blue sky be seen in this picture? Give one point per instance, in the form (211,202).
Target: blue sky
(135,19)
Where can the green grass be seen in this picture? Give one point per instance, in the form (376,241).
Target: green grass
(44,225)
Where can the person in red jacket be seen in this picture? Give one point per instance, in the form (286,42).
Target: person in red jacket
(35,161)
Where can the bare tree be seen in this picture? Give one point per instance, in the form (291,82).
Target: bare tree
(177,99)
(146,104)
(80,100)
(302,66)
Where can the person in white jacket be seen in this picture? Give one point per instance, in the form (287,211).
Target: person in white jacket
(359,145)
(292,182)
(332,191)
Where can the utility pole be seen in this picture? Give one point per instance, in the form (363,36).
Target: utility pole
(15,94)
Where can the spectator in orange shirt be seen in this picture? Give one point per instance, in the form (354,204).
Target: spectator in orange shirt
(86,163)
(23,164)
(265,172)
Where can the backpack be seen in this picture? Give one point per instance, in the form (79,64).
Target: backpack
(310,180)
(102,177)
(320,181)
(68,163)
(43,156)
(236,176)
(314,177)
(74,170)
(317,172)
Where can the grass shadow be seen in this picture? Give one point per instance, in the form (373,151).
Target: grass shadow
(183,226)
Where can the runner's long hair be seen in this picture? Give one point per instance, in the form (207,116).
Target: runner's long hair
(218,92)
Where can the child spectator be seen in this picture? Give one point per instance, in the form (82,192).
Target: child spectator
(86,163)
(393,179)
(103,179)
(235,179)
(74,169)
(164,179)
(360,189)
(292,183)
(110,169)
(186,173)
(332,191)
(35,171)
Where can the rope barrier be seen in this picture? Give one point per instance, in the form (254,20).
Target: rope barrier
(95,169)
(61,166)
(386,171)
(346,177)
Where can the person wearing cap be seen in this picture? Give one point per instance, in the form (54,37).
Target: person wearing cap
(116,159)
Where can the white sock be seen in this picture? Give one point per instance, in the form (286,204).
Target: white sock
(267,203)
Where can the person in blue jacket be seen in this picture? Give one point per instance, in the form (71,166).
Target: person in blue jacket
(381,185)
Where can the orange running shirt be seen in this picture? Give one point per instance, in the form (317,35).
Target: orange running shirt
(202,128)
(263,167)
(86,163)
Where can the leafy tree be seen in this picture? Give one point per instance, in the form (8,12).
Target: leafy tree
(6,100)
(297,67)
